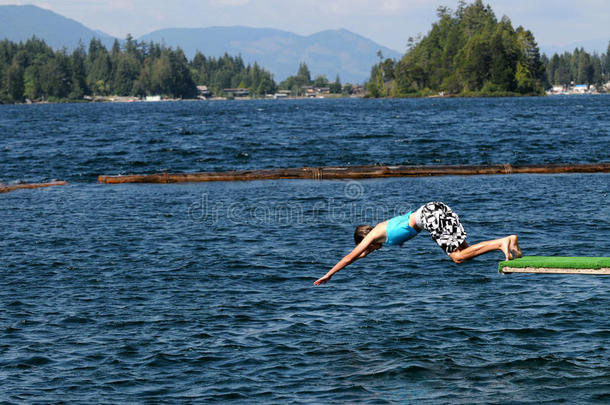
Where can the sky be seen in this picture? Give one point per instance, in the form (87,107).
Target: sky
(388,22)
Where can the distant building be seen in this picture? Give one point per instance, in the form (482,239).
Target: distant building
(308,91)
(203,92)
(581,88)
(357,90)
(237,92)
(573,89)
(557,89)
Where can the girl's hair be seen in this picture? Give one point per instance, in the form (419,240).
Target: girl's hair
(360,232)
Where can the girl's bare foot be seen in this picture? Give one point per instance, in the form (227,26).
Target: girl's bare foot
(505,246)
(514,246)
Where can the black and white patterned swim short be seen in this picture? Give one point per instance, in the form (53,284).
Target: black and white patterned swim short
(443,224)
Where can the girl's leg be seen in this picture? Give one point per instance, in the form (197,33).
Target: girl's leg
(507,245)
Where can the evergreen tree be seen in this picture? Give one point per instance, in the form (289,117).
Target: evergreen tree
(303,74)
(79,74)
(503,57)
(474,62)
(296,83)
(95,48)
(606,64)
(529,70)
(55,77)
(596,67)
(578,67)
(181,82)
(336,87)
(199,67)
(376,86)
(584,70)
(14,82)
(126,70)
(266,86)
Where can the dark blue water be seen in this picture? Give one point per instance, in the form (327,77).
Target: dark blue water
(79,142)
(202,293)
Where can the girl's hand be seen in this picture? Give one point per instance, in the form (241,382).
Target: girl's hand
(322,280)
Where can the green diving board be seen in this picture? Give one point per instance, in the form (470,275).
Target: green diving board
(556,265)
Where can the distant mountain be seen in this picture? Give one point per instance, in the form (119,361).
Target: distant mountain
(593,45)
(20,23)
(329,52)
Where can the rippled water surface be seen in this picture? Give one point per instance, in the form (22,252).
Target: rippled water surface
(203,292)
(81,141)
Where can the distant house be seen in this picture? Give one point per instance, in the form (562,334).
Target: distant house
(357,90)
(281,94)
(237,92)
(308,91)
(558,89)
(581,88)
(203,92)
(311,91)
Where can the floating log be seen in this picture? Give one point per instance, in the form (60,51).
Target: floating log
(355,172)
(13,187)
(556,265)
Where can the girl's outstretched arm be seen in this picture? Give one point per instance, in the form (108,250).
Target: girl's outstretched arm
(360,251)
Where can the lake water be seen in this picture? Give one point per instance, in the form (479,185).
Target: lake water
(202,292)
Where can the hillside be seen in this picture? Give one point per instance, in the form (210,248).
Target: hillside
(20,23)
(467,52)
(329,52)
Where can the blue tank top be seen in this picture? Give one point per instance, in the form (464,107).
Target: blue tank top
(398,230)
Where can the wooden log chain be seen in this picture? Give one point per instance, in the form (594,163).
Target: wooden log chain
(13,187)
(356,172)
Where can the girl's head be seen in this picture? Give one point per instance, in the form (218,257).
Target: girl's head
(360,232)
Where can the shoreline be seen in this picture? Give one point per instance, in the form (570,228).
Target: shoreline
(123,99)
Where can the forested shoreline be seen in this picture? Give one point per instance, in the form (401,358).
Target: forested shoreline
(34,71)
(578,67)
(468,52)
